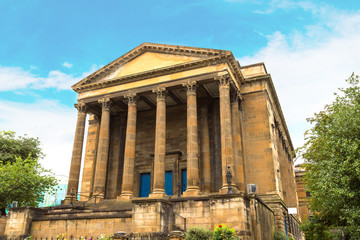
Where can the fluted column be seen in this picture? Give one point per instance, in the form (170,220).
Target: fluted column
(227,149)
(129,155)
(74,174)
(160,141)
(192,142)
(103,149)
(205,146)
(236,127)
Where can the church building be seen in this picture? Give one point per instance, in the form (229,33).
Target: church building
(176,137)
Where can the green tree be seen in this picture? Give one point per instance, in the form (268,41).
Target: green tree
(12,147)
(22,178)
(332,161)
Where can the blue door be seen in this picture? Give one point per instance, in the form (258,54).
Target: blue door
(168,183)
(183,180)
(144,185)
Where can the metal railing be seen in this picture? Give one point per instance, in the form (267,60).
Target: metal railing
(83,204)
(171,222)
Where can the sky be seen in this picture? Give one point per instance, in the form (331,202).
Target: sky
(308,47)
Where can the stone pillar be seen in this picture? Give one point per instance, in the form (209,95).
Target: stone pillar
(74,174)
(227,149)
(205,146)
(160,142)
(103,149)
(236,129)
(129,155)
(192,142)
(114,157)
(90,158)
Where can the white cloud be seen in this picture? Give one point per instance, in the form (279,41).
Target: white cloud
(52,122)
(308,67)
(16,78)
(68,65)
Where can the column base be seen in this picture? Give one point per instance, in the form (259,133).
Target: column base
(225,189)
(98,198)
(125,197)
(158,194)
(69,200)
(191,192)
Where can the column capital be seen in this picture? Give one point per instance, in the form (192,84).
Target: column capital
(236,96)
(190,86)
(105,103)
(160,93)
(132,99)
(224,80)
(81,107)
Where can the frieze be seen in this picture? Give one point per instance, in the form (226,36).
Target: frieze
(150,74)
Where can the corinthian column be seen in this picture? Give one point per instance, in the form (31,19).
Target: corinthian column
(160,141)
(129,155)
(103,149)
(227,149)
(236,127)
(205,146)
(192,142)
(74,174)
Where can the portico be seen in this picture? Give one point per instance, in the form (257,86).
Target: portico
(166,93)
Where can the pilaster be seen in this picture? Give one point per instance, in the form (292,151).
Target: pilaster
(227,149)
(205,146)
(236,130)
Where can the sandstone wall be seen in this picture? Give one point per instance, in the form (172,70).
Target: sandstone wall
(79,228)
(3,221)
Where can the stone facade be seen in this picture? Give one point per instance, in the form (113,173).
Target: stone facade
(198,126)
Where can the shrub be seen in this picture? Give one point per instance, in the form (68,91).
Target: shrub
(198,233)
(222,232)
(279,235)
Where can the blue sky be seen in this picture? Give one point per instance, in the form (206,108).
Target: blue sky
(309,48)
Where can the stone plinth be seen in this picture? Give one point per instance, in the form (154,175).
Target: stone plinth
(19,222)
(150,215)
(176,235)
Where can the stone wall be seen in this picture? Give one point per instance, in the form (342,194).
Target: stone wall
(259,165)
(79,227)
(19,221)
(3,221)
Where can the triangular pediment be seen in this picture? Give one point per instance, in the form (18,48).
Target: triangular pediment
(150,61)
(148,57)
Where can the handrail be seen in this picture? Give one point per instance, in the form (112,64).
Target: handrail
(172,220)
(92,197)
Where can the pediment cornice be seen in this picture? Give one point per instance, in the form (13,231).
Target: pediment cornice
(209,57)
